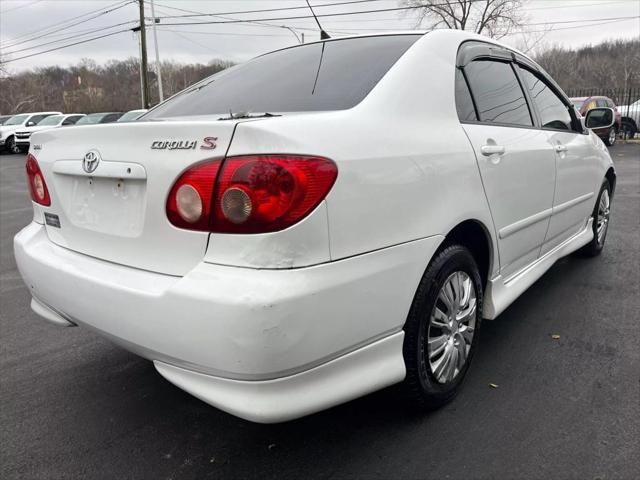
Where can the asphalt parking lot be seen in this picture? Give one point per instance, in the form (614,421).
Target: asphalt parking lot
(73,405)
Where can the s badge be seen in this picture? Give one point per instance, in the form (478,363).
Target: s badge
(209,143)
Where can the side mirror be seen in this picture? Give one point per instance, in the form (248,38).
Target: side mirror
(30,123)
(599,118)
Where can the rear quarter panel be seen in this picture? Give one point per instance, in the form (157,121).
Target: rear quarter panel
(406,169)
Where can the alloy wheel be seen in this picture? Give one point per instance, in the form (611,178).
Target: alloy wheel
(451,327)
(612,136)
(603,215)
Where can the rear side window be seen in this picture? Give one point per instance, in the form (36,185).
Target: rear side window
(464,102)
(553,112)
(497,93)
(333,75)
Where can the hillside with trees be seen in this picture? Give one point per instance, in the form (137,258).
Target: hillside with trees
(613,64)
(88,87)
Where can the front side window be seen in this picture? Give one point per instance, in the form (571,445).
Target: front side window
(553,112)
(497,93)
(602,103)
(332,75)
(464,102)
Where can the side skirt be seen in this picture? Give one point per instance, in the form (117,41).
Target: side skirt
(502,292)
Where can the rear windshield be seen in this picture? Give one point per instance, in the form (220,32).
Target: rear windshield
(333,75)
(17,119)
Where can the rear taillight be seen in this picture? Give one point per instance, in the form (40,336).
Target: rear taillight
(253,194)
(189,202)
(37,185)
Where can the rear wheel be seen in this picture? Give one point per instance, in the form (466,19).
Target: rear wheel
(441,332)
(601,215)
(611,137)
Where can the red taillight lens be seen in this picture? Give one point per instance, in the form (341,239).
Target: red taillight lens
(37,185)
(189,202)
(253,194)
(265,193)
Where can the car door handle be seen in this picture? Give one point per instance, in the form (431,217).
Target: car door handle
(561,148)
(488,150)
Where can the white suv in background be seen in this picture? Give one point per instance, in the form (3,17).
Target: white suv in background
(379,196)
(19,122)
(53,121)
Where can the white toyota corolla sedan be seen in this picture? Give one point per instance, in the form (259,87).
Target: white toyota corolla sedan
(320,222)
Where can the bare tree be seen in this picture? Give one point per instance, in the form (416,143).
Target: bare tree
(495,18)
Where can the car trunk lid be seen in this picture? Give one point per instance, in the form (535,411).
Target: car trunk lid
(109,187)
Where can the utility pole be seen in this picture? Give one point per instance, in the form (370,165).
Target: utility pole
(141,77)
(155,42)
(143,57)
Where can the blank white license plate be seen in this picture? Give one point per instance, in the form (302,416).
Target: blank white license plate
(106,205)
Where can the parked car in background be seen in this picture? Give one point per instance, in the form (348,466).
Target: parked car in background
(132,115)
(4,118)
(53,121)
(102,117)
(351,233)
(584,104)
(18,122)
(630,118)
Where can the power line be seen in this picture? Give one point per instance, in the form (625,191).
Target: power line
(259,22)
(4,12)
(193,13)
(102,11)
(66,46)
(360,12)
(239,34)
(70,37)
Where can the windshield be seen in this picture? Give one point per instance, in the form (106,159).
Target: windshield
(90,119)
(578,104)
(52,120)
(130,116)
(333,75)
(17,119)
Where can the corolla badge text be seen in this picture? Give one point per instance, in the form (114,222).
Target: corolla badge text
(174,144)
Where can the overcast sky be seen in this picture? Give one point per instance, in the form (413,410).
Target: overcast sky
(238,42)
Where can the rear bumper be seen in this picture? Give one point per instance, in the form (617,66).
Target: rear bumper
(235,336)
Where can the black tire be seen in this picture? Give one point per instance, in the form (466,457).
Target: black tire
(595,246)
(628,129)
(610,139)
(421,387)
